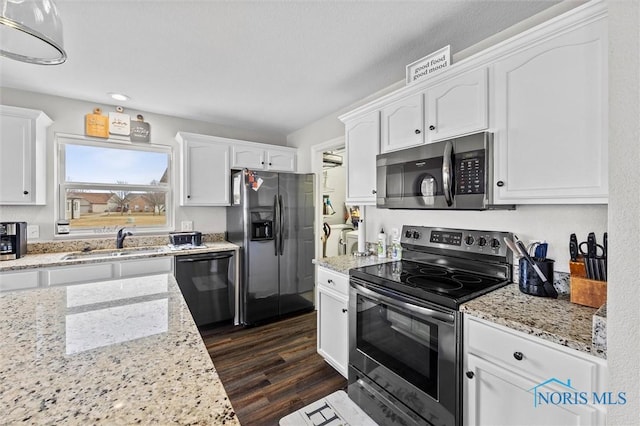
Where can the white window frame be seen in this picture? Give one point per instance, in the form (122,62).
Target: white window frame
(62,185)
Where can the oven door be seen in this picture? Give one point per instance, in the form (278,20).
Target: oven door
(402,358)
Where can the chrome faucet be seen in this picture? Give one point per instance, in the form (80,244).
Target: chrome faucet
(122,234)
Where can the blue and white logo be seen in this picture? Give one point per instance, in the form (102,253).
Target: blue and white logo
(542,395)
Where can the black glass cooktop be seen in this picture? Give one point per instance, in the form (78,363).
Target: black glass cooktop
(443,286)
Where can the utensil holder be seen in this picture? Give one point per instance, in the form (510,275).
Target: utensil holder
(588,292)
(530,282)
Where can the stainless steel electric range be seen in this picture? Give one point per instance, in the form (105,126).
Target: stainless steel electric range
(405,329)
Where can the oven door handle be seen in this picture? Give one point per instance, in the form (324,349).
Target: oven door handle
(432,314)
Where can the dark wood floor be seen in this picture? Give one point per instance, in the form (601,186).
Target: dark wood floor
(272,370)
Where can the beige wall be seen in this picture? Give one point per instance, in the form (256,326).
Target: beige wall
(68,117)
(623,307)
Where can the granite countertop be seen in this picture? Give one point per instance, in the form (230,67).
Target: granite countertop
(43,260)
(120,352)
(555,320)
(343,263)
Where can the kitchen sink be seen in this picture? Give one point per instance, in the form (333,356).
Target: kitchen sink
(105,254)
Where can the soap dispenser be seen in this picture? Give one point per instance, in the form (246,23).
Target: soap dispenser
(382,244)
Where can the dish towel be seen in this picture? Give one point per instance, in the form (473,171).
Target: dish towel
(333,410)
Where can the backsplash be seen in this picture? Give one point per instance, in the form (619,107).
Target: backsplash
(44,247)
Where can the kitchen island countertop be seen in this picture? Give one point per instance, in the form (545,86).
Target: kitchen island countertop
(117,352)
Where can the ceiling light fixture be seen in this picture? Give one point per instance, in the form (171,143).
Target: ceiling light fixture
(31,31)
(119,96)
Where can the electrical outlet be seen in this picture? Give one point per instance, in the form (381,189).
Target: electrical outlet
(33,231)
(186,225)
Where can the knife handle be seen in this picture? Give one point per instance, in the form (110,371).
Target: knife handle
(591,245)
(573,247)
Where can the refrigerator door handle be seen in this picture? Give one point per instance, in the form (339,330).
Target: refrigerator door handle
(276,216)
(281,232)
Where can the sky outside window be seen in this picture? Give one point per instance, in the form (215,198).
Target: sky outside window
(112,165)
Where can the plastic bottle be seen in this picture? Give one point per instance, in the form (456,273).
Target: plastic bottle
(382,244)
(396,248)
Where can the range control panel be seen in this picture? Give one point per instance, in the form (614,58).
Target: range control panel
(466,240)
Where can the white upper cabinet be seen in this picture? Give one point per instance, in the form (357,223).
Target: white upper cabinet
(362,140)
(263,157)
(458,106)
(23,137)
(550,111)
(402,124)
(542,93)
(283,160)
(205,173)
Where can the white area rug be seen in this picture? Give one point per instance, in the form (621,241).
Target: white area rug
(333,410)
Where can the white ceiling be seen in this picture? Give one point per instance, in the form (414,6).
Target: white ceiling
(268,66)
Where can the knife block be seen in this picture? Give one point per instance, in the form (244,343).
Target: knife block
(588,292)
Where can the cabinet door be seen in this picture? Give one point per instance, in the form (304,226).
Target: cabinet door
(402,124)
(333,329)
(18,280)
(281,160)
(551,120)
(206,174)
(22,155)
(362,140)
(457,106)
(79,274)
(156,265)
(497,396)
(248,157)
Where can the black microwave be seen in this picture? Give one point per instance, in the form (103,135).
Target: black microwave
(454,174)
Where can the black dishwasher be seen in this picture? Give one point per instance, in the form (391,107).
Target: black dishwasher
(207,282)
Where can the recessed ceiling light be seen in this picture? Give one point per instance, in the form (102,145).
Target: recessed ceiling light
(119,96)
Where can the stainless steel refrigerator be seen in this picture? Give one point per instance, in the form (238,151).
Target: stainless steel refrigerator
(271,219)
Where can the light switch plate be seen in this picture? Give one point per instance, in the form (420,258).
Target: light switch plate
(186,225)
(33,231)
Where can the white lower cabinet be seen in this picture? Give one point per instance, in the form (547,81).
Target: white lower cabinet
(154,265)
(333,326)
(75,274)
(84,273)
(19,280)
(511,378)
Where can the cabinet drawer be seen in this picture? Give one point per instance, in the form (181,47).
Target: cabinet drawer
(334,280)
(538,359)
(157,265)
(80,274)
(18,280)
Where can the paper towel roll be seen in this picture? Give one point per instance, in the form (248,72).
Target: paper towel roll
(362,234)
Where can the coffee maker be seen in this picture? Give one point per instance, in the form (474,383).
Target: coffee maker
(13,240)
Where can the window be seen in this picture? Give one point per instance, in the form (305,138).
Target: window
(103,186)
